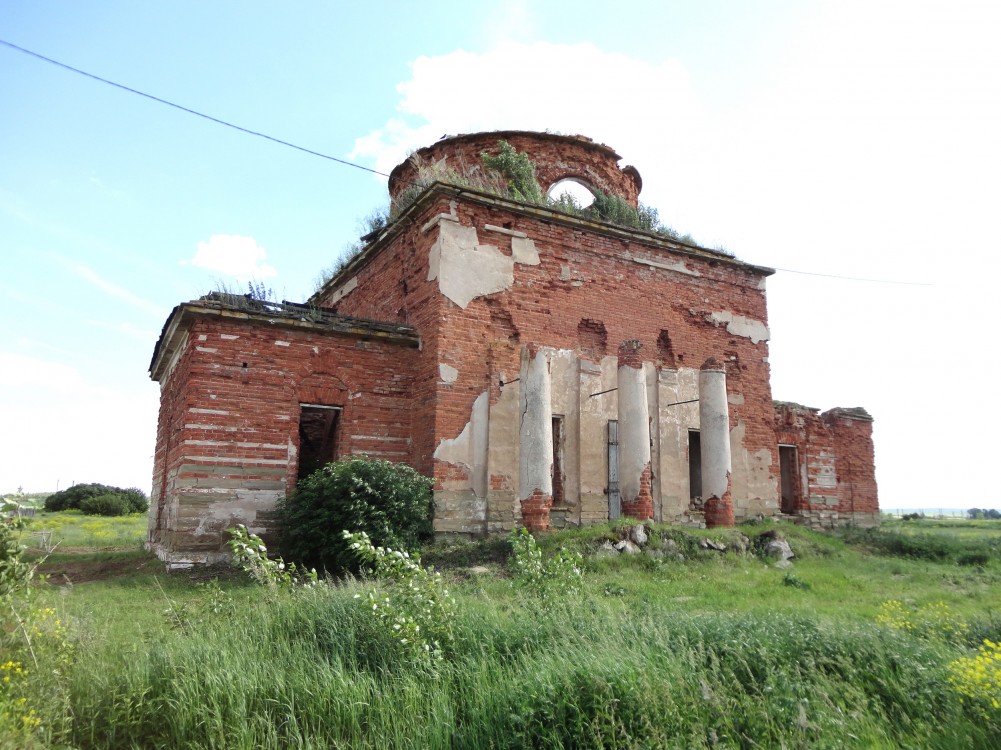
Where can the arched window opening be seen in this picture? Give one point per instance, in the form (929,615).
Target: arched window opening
(579,192)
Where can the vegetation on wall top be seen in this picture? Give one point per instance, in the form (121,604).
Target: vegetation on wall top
(509,174)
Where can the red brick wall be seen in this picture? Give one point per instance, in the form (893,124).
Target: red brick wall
(393,286)
(230,410)
(803,427)
(631,300)
(856,462)
(556,157)
(836,448)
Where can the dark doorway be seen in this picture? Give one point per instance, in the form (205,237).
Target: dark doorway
(558,495)
(317,437)
(788,467)
(694,464)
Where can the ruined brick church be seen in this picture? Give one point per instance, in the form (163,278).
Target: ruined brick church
(547,369)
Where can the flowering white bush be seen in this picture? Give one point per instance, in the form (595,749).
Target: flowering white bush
(415,608)
(251,555)
(561,574)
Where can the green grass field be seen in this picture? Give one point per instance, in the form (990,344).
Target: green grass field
(717,650)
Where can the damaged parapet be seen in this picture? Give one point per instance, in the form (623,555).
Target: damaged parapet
(714,418)
(556,158)
(827,465)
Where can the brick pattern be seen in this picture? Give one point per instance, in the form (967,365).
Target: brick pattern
(642,507)
(229,417)
(585,281)
(719,511)
(629,354)
(535,511)
(556,157)
(229,406)
(837,452)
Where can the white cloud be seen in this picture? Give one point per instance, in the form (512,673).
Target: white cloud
(843,154)
(571,88)
(108,287)
(65,423)
(19,371)
(233,255)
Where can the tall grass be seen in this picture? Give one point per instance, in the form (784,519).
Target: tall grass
(71,528)
(309,669)
(718,650)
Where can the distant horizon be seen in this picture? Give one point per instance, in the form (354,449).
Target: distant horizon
(851,146)
(950,510)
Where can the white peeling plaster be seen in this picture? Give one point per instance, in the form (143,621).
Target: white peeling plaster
(752,478)
(244,508)
(535,471)
(343,291)
(503,449)
(206,349)
(523,251)
(466,269)
(195,410)
(738,325)
(456,450)
(678,267)
(469,448)
(714,428)
(502,230)
(634,430)
(735,398)
(447,373)
(673,423)
(435,220)
(203,337)
(281,343)
(228,337)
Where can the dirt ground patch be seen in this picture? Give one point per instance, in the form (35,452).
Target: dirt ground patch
(98,567)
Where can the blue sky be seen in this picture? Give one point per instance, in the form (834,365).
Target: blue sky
(847,138)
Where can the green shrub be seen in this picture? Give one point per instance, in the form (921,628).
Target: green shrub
(132,500)
(390,502)
(414,609)
(251,555)
(934,547)
(519,171)
(559,575)
(137,500)
(108,504)
(71,497)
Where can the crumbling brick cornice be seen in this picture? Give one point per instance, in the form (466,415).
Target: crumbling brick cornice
(653,240)
(280,314)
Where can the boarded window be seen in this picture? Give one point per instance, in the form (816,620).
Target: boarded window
(694,464)
(788,467)
(614,499)
(558,475)
(317,437)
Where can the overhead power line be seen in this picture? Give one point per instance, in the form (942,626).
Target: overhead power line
(854,278)
(191,111)
(345,162)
